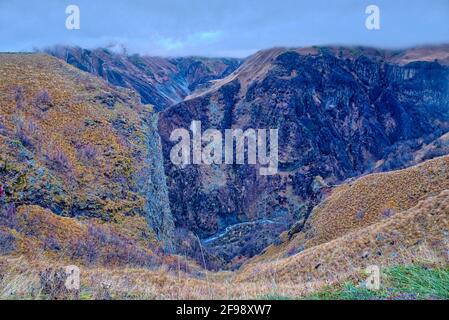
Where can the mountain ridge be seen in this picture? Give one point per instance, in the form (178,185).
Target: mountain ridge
(159,81)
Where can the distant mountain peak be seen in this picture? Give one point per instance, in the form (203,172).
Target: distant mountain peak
(161,82)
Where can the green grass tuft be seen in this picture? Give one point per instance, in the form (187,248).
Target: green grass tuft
(275,296)
(348,292)
(411,282)
(422,282)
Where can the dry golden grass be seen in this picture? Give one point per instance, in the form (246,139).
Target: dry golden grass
(405,220)
(371,198)
(20,279)
(417,235)
(40,234)
(365,201)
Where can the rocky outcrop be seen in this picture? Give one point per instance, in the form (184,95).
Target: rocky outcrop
(159,81)
(339,111)
(154,186)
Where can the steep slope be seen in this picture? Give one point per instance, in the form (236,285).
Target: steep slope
(417,236)
(338,245)
(40,235)
(339,112)
(75,145)
(161,82)
(375,197)
(368,200)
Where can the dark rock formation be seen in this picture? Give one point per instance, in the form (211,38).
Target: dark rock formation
(339,111)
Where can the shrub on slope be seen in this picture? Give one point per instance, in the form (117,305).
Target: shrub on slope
(39,234)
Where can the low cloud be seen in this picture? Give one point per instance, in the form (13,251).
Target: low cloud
(193,40)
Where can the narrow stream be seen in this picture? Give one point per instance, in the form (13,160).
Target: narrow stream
(234,226)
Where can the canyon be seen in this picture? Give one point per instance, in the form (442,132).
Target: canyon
(341,113)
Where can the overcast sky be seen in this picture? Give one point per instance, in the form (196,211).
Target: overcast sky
(220,27)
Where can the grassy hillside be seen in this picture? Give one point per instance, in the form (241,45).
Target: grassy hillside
(75,166)
(76,145)
(417,238)
(39,235)
(370,199)
(410,247)
(374,198)
(69,142)
(339,245)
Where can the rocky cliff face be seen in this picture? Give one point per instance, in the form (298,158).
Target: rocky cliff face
(161,82)
(75,145)
(340,113)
